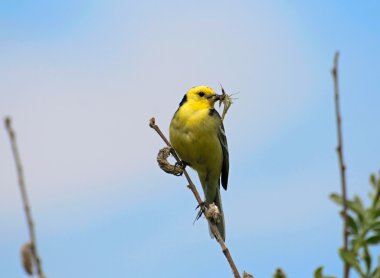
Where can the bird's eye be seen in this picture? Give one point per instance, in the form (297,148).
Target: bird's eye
(201,94)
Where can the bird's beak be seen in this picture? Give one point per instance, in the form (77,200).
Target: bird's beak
(215,97)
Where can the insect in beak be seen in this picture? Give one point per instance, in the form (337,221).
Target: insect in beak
(215,97)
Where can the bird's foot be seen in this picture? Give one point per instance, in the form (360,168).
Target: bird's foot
(181,165)
(201,211)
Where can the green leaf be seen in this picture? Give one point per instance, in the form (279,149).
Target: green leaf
(377,196)
(376,185)
(351,259)
(372,179)
(373,239)
(318,272)
(376,272)
(355,205)
(357,243)
(348,257)
(336,198)
(374,226)
(279,273)
(367,259)
(374,213)
(352,225)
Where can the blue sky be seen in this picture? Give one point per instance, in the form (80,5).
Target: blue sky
(81,80)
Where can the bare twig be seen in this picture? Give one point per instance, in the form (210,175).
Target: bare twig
(342,166)
(24,196)
(193,189)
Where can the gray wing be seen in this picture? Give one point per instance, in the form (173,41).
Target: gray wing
(226,160)
(223,142)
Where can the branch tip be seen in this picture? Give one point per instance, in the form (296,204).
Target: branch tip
(8,122)
(152,122)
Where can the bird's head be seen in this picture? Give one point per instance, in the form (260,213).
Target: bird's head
(201,97)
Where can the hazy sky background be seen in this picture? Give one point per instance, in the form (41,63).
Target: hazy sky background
(81,80)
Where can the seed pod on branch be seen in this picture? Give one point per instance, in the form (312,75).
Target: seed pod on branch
(27,258)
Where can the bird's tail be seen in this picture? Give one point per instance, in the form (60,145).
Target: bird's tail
(220,225)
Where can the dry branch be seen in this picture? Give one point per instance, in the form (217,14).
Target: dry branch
(32,245)
(193,189)
(342,166)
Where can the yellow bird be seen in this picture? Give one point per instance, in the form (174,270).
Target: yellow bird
(197,134)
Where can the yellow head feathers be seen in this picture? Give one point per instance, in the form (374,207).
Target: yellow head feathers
(202,97)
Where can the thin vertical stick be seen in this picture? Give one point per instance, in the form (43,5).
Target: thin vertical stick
(342,166)
(24,196)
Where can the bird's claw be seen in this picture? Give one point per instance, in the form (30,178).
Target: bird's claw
(201,208)
(181,165)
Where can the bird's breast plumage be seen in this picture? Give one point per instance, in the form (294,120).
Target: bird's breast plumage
(194,135)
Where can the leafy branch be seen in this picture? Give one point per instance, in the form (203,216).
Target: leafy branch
(363,231)
(361,224)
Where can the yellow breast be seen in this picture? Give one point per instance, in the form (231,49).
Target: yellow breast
(194,135)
